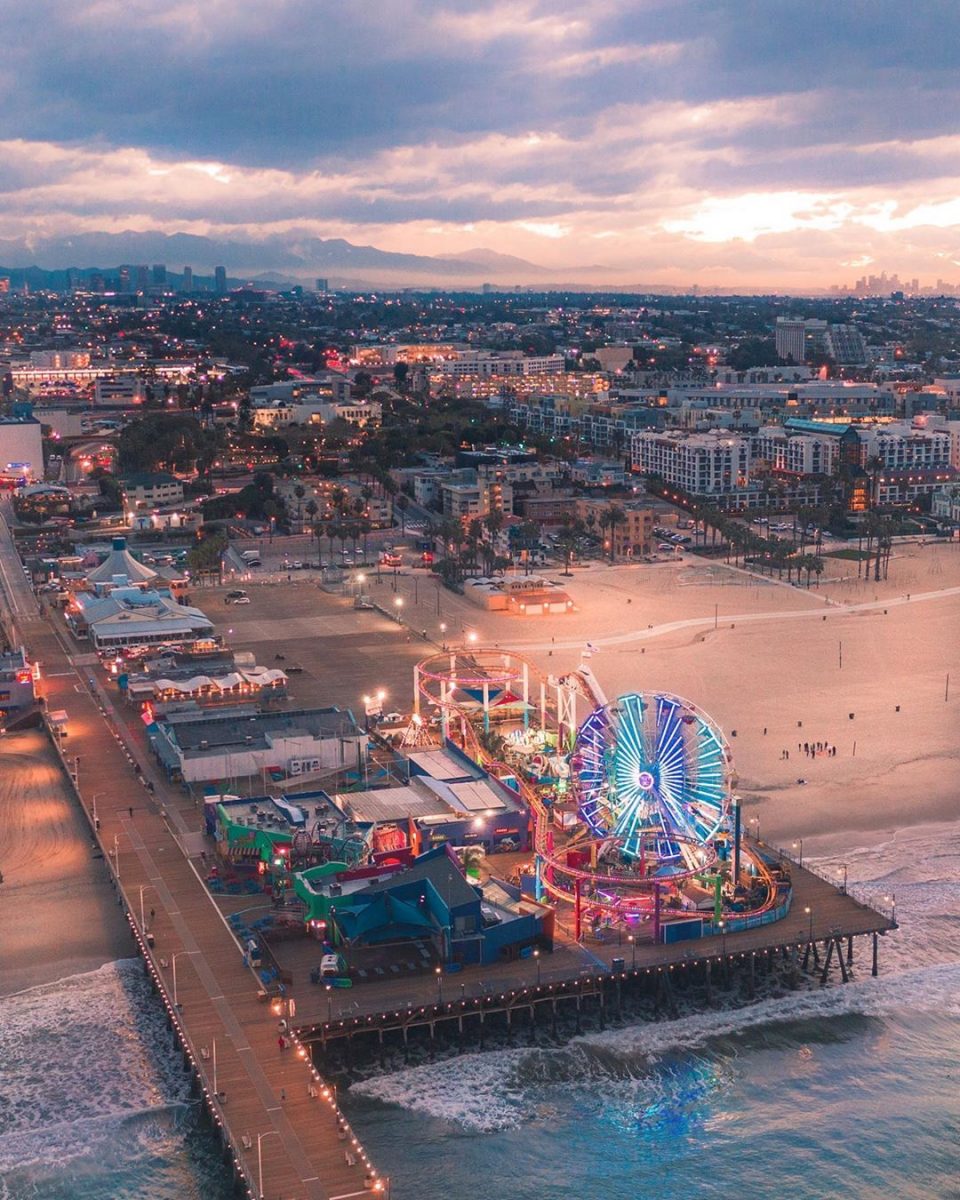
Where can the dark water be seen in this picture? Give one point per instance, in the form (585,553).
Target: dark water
(852,1091)
(94,1104)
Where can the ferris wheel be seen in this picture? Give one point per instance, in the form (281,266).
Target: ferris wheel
(651,770)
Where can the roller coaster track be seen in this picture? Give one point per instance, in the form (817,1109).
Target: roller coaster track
(583,682)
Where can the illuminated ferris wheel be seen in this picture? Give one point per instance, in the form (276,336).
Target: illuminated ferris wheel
(651,771)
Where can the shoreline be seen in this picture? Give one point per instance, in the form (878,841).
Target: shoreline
(59,915)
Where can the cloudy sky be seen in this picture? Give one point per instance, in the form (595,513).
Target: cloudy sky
(678,141)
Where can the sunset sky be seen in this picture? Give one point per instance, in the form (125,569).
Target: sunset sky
(718,142)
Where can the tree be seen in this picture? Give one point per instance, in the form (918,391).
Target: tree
(568,539)
(401,504)
(615,516)
(299,491)
(206,555)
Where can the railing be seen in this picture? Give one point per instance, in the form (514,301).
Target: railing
(735,924)
(861,895)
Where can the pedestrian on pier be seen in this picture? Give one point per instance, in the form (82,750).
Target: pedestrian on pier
(282,1042)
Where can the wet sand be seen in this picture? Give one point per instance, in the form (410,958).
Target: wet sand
(58,912)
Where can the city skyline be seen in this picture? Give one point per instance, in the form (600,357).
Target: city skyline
(691,143)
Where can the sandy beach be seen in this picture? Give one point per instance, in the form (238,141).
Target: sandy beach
(777,666)
(58,913)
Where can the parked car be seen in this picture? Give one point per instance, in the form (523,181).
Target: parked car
(242,600)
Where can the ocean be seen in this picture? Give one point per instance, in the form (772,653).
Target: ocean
(94,1103)
(850,1091)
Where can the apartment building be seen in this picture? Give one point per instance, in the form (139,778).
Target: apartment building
(703,464)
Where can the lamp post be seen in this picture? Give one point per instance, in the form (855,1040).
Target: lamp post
(633,950)
(260,1137)
(536,955)
(173,962)
(143,887)
(93,811)
(843,868)
(329,1004)
(755,821)
(116,856)
(799,842)
(472,637)
(439,972)
(398,605)
(723,939)
(809,911)
(443,633)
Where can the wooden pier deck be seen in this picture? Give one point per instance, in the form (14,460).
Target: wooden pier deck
(270,1104)
(272,1110)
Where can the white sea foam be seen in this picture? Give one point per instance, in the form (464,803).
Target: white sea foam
(81,1057)
(920,972)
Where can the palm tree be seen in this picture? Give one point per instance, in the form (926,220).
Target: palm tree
(571,533)
(299,491)
(615,516)
(311,508)
(401,504)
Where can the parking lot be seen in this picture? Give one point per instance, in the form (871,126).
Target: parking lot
(343,653)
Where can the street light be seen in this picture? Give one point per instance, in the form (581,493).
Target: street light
(756,834)
(260,1137)
(800,842)
(809,911)
(329,988)
(536,955)
(723,937)
(443,633)
(439,971)
(96,819)
(398,605)
(633,950)
(173,961)
(143,888)
(472,637)
(843,867)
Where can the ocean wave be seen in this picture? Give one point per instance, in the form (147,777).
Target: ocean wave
(503,1089)
(82,1057)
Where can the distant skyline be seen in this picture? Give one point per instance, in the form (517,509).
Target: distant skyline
(708,142)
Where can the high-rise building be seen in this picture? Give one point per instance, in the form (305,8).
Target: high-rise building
(143,278)
(187,279)
(220,280)
(323,286)
(159,274)
(124,284)
(797,339)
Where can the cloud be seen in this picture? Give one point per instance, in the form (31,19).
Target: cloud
(681,136)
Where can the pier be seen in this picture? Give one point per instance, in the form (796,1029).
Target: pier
(276,1115)
(280,1127)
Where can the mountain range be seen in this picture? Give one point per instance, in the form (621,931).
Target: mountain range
(301,257)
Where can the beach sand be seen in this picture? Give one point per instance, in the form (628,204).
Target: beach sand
(58,912)
(780,656)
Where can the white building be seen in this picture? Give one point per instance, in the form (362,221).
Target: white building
(504,362)
(703,464)
(151,489)
(60,360)
(465,494)
(21,448)
(131,617)
(237,743)
(121,391)
(795,453)
(794,336)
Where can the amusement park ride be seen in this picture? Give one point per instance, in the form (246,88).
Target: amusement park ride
(635,820)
